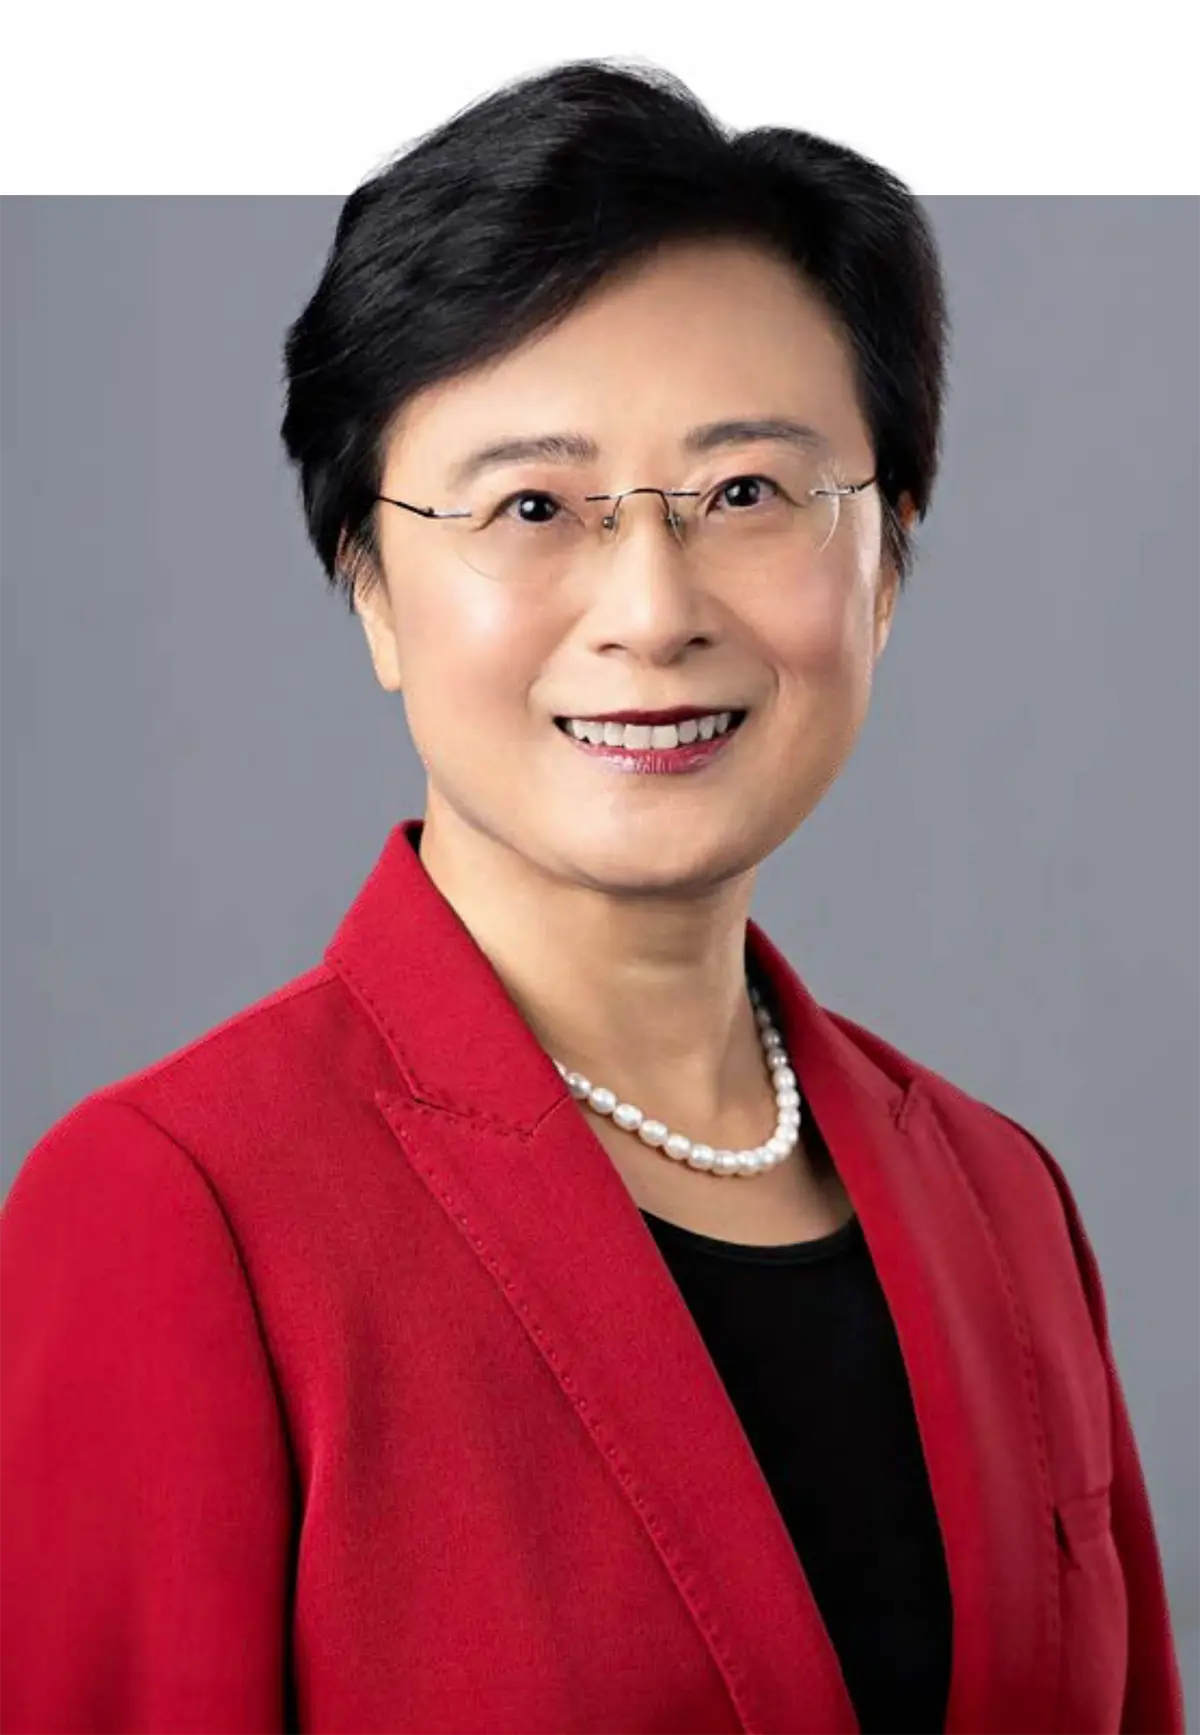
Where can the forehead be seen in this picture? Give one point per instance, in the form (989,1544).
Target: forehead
(700,331)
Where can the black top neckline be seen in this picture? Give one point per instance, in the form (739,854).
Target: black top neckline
(790,1253)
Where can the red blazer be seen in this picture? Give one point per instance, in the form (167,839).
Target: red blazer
(345,1390)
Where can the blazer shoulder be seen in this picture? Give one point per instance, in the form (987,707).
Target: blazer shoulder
(275,1017)
(906,1071)
(250,1081)
(992,1146)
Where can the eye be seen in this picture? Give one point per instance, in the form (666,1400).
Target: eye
(523,497)
(747,492)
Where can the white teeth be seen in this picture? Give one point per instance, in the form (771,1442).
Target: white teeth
(643,735)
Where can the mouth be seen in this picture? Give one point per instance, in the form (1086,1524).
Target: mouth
(681,740)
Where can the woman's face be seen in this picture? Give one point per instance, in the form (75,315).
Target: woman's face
(704,332)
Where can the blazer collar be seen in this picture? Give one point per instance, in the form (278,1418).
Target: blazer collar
(480,1113)
(401,941)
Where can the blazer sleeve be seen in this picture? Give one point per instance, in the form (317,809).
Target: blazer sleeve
(147,1501)
(1154,1690)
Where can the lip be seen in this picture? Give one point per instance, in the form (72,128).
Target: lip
(659,761)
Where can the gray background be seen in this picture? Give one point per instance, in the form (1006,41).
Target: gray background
(199,769)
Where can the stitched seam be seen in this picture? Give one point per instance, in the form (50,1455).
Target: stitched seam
(1017,1314)
(680,1572)
(463,1109)
(1073,1500)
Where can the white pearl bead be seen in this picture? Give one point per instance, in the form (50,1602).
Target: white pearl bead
(653,1132)
(578,1085)
(788,1097)
(762,1017)
(778,1145)
(628,1115)
(602,1100)
(724,1162)
(701,1157)
(677,1146)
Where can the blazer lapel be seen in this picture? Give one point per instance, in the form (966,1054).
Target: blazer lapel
(544,1209)
(966,1350)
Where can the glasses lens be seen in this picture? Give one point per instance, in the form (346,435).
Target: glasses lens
(764,516)
(524,535)
(769,518)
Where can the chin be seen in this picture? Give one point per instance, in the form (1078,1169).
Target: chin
(649,860)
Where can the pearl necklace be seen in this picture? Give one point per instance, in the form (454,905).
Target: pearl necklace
(755,1161)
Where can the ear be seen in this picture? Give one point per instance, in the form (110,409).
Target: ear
(888,589)
(886,592)
(373,606)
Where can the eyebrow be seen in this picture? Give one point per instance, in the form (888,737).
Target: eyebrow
(580,448)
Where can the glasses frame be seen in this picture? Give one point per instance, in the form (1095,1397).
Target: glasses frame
(610,519)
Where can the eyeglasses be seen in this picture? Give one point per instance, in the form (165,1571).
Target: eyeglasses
(773,521)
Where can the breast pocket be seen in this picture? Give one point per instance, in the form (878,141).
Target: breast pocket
(1094,1616)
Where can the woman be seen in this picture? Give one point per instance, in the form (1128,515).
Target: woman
(542,1315)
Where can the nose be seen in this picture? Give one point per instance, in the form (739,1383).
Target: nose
(649,603)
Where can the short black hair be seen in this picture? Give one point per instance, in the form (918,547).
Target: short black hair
(495,224)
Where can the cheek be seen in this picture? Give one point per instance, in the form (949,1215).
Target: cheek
(822,636)
(466,635)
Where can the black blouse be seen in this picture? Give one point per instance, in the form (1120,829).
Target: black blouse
(803,1340)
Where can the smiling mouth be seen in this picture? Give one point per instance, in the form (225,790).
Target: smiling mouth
(695,731)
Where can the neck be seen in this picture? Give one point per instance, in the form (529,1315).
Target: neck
(644,993)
